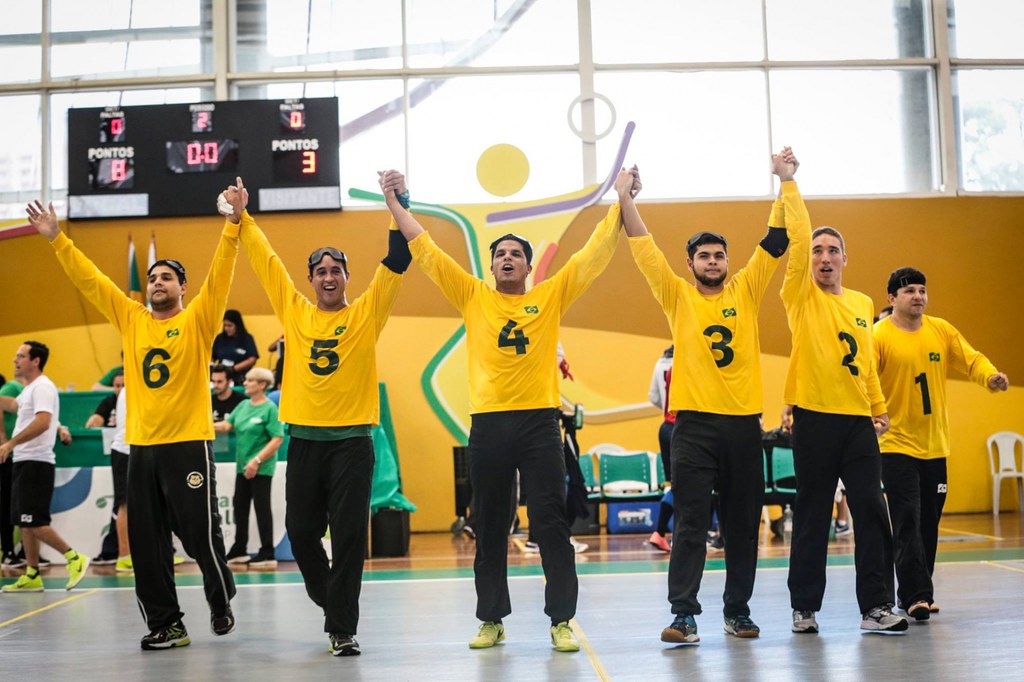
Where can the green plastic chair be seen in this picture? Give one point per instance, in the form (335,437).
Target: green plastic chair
(625,476)
(589,479)
(783,469)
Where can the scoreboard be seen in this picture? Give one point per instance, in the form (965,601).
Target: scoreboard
(174,159)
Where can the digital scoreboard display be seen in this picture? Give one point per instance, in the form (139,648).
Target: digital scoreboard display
(174,159)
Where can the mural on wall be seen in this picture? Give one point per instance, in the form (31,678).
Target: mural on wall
(503,170)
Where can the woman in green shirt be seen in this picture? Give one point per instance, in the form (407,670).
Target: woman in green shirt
(258,435)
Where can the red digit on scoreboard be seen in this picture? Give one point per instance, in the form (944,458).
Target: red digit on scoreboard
(309,162)
(118,168)
(296,120)
(211,152)
(116,126)
(194,153)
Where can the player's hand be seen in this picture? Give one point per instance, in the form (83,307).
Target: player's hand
(392,183)
(45,221)
(787,418)
(784,164)
(237,197)
(881,423)
(64,434)
(5,450)
(627,183)
(564,367)
(251,468)
(999,382)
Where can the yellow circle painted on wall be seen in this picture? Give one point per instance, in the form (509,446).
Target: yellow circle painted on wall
(502,170)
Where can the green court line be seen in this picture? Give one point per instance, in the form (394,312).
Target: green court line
(466,572)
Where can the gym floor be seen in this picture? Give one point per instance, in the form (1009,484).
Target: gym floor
(417,616)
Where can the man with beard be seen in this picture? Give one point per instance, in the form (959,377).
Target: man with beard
(915,352)
(716,395)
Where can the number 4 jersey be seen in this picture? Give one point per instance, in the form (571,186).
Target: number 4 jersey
(912,368)
(166,362)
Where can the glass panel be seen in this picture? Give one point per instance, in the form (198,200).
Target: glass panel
(20,174)
(498,33)
(878,29)
(60,103)
(371,126)
(990,129)
(986,29)
(285,35)
(463,117)
(697,135)
(123,60)
(97,15)
(856,119)
(20,64)
(674,31)
(22,17)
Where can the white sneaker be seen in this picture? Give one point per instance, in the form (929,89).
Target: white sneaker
(882,619)
(804,621)
(531,547)
(577,546)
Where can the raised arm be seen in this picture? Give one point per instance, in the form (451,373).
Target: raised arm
(264,260)
(798,228)
(212,299)
(627,186)
(392,186)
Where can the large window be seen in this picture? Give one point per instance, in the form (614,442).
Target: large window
(430,85)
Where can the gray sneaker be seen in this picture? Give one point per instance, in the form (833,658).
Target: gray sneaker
(882,619)
(803,621)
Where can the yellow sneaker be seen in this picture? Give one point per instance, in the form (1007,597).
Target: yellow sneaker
(76,569)
(178,560)
(490,634)
(562,637)
(124,564)
(25,584)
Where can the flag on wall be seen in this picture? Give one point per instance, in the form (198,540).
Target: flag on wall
(152,254)
(134,283)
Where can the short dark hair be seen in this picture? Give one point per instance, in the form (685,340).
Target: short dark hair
(37,350)
(118,373)
(902,277)
(178,268)
(523,241)
(704,237)
(221,369)
(832,231)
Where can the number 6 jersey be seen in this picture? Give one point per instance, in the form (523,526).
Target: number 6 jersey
(166,362)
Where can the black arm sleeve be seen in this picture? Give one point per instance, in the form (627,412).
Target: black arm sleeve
(775,242)
(399,256)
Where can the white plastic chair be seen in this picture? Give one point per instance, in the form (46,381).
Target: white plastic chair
(1002,446)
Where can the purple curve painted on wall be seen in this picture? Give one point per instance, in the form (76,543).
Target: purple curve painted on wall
(569,204)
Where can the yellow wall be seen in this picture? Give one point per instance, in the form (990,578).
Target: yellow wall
(969,248)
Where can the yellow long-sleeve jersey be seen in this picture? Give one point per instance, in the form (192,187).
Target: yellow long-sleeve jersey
(166,362)
(913,367)
(330,362)
(512,340)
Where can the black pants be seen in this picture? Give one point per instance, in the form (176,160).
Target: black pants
(6,522)
(255,490)
(715,452)
(328,484)
(173,488)
(530,441)
(916,489)
(825,448)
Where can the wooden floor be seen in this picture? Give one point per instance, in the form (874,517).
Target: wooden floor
(417,615)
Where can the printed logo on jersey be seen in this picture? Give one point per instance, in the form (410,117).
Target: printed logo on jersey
(861,323)
(532,309)
(172,332)
(729,312)
(26,518)
(941,489)
(338,331)
(934,357)
(194,480)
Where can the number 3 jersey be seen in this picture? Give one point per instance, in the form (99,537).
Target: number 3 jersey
(912,369)
(330,361)
(512,340)
(717,345)
(166,362)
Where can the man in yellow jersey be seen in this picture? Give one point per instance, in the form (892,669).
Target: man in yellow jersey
(838,413)
(512,343)
(171,482)
(716,396)
(329,400)
(914,353)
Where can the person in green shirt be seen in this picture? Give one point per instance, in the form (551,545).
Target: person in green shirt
(258,435)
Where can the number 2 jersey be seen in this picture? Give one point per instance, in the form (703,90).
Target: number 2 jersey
(912,368)
(512,339)
(716,337)
(166,362)
(832,364)
(330,361)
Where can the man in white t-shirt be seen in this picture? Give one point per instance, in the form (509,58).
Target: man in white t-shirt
(35,433)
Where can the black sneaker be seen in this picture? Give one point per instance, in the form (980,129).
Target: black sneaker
(237,555)
(104,560)
(174,635)
(682,631)
(222,623)
(264,559)
(882,619)
(343,645)
(12,560)
(741,626)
